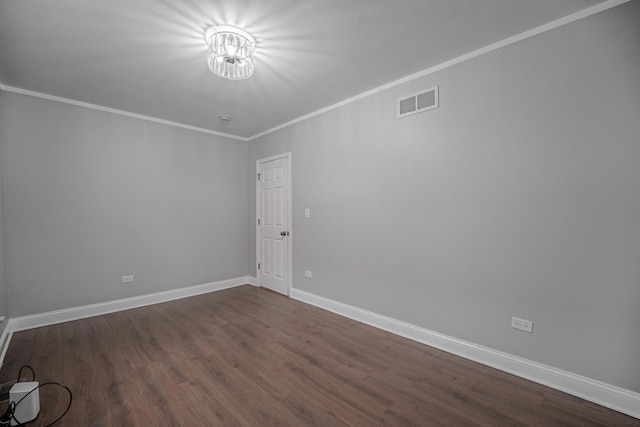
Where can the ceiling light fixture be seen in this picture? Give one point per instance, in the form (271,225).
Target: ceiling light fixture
(230,52)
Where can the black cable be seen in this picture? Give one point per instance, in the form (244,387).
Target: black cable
(33,373)
(10,412)
(36,388)
(6,417)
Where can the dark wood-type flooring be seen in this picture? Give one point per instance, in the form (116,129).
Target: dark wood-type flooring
(249,357)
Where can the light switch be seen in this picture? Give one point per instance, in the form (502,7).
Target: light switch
(307,213)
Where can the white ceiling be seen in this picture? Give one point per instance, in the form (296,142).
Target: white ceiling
(148,56)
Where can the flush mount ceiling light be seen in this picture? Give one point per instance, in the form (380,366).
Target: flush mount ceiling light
(230,52)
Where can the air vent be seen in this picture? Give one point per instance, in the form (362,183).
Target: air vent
(418,102)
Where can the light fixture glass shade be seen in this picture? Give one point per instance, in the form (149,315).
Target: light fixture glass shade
(230,52)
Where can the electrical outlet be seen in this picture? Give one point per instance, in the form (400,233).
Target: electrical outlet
(308,274)
(127,279)
(1,319)
(521,324)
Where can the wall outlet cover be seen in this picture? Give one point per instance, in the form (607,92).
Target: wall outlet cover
(522,324)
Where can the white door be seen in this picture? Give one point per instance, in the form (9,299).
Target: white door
(273,232)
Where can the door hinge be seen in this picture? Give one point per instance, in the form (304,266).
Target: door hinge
(258,266)
(258,221)
(258,177)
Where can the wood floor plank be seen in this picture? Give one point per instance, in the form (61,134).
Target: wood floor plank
(248,357)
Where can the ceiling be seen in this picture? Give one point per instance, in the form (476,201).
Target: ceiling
(148,56)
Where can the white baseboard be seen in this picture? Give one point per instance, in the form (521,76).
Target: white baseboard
(616,398)
(59,316)
(607,395)
(52,317)
(5,339)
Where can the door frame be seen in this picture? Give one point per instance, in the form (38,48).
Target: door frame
(287,157)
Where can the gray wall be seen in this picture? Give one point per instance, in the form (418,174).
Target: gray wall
(91,196)
(3,282)
(519,196)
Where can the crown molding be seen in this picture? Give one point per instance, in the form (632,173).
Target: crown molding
(116,111)
(478,52)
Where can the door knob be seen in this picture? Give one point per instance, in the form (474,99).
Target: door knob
(284,233)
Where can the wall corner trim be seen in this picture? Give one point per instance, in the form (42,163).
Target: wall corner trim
(613,397)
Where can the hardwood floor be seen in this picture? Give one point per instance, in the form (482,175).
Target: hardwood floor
(249,357)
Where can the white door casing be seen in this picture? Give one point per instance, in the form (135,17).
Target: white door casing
(273,232)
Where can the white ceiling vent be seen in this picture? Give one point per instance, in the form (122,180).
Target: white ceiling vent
(418,102)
